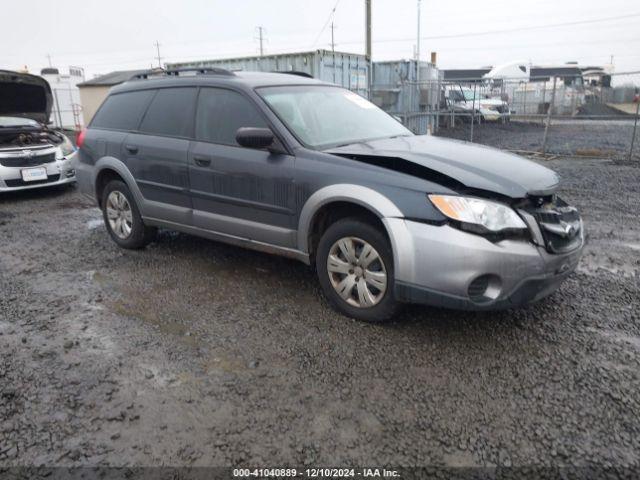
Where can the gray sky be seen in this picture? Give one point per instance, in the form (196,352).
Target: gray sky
(107,35)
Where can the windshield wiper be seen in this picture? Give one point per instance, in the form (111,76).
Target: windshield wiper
(348,143)
(364,141)
(400,135)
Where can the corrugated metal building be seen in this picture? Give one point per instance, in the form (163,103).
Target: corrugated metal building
(348,70)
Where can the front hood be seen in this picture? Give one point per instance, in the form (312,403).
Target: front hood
(25,95)
(466,164)
(491,101)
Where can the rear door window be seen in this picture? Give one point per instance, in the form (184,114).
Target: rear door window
(170,112)
(122,111)
(221,113)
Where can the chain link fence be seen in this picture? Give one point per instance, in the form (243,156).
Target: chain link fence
(592,115)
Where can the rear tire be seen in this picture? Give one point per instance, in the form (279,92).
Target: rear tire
(122,217)
(354,262)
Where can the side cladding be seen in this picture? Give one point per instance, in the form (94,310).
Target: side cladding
(111,163)
(377,203)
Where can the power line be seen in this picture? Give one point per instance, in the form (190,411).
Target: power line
(483,33)
(237,53)
(324,27)
(508,30)
(389,40)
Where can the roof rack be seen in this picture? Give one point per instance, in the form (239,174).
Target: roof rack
(176,72)
(295,72)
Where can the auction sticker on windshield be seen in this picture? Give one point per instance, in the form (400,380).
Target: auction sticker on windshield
(358,100)
(34,174)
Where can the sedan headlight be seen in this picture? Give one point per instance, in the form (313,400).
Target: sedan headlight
(66,147)
(493,216)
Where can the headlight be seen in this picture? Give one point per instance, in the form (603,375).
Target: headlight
(66,147)
(493,216)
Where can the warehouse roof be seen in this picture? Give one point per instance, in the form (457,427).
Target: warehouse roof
(210,61)
(469,74)
(111,79)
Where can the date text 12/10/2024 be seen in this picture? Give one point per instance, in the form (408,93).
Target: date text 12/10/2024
(314,473)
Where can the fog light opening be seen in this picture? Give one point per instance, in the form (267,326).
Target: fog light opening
(485,288)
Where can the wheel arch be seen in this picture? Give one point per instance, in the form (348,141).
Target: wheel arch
(360,198)
(110,168)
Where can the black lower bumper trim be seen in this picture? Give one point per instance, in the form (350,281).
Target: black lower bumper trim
(528,291)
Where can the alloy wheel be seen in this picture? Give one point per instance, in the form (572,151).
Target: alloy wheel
(119,214)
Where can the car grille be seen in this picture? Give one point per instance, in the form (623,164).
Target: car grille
(32,161)
(18,182)
(559,224)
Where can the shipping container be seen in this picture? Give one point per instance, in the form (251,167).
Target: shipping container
(348,70)
(398,89)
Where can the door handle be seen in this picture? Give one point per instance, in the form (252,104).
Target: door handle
(131,149)
(202,161)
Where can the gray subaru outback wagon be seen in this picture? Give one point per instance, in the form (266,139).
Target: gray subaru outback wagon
(297,167)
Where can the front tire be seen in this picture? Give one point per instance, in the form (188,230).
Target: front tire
(122,217)
(354,262)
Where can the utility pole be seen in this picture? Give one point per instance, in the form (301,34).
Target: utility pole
(418,47)
(333,44)
(367,29)
(159,58)
(260,38)
(49,58)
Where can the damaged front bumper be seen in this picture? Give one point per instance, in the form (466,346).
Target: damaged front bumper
(447,267)
(60,171)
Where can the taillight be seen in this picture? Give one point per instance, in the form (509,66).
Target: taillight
(80,137)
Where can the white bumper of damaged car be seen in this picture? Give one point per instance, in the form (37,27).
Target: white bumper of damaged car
(15,166)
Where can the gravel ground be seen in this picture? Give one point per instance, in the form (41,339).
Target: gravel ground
(195,353)
(594,138)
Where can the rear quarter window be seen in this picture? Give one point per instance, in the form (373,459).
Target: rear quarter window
(122,111)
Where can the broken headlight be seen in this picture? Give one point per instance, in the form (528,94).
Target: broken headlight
(66,148)
(485,215)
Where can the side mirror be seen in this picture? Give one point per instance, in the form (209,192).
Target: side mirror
(251,137)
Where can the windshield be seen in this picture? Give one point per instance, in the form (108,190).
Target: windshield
(469,94)
(323,116)
(17,122)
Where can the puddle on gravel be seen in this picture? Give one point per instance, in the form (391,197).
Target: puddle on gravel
(619,337)
(632,246)
(591,264)
(460,459)
(142,308)
(140,312)
(227,365)
(95,223)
